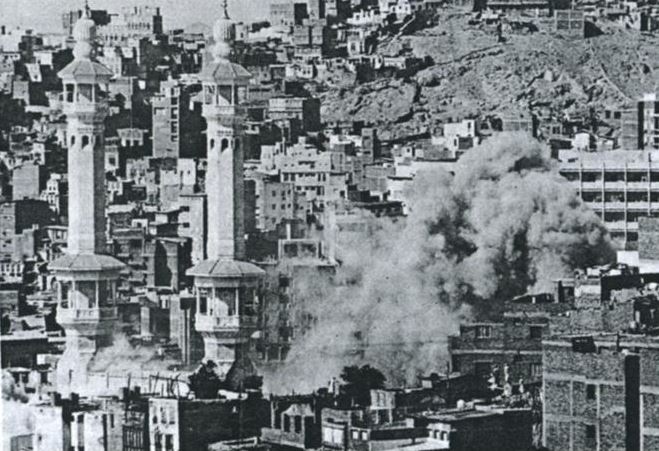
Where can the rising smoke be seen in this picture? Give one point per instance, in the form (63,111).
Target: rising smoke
(506,223)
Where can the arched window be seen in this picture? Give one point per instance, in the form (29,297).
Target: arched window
(212,143)
(73,140)
(225,144)
(85,140)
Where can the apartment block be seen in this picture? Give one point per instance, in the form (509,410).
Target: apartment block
(619,186)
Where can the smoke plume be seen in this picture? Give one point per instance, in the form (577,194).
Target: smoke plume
(123,357)
(504,224)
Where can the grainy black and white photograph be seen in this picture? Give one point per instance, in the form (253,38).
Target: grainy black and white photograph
(329,225)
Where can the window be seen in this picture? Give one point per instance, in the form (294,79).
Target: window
(590,431)
(536,369)
(298,423)
(535,332)
(483,331)
(169,442)
(84,93)
(590,391)
(287,423)
(69,93)
(355,434)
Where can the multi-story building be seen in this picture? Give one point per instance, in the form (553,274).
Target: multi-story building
(192,223)
(320,176)
(304,109)
(275,202)
(619,186)
(167,109)
(189,425)
(28,180)
(18,222)
(56,193)
(509,346)
(134,22)
(286,13)
(601,391)
(648,122)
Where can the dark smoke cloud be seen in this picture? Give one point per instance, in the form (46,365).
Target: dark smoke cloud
(505,223)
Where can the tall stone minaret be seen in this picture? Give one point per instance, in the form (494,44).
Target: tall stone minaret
(226,287)
(86,279)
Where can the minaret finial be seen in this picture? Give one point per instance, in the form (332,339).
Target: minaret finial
(84,33)
(223,34)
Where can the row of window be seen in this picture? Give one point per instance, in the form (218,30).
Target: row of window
(535,332)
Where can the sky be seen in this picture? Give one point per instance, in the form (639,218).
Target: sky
(45,15)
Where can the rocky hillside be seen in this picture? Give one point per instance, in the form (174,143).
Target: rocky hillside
(472,73)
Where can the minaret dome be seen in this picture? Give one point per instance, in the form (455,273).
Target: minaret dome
(224,33)
(84,33)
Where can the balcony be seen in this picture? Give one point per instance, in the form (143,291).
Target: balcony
(641,205)
(638,186)
(97,108)
(88,315)
(593,205)
(615,186)
(223,110)
(592,186)
(209,323)
(616,225)
(615,205)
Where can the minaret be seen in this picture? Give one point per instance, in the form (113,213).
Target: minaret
(226,287)
(87,279)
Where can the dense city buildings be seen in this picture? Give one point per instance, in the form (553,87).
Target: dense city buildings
(342,225)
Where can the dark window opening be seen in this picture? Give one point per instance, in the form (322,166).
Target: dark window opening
(590,391)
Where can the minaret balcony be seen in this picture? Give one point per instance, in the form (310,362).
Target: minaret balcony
(224,324)
(226,110)
(85,315)
(86,108)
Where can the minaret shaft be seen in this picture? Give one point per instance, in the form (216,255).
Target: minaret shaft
(225,193)
(86,233)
